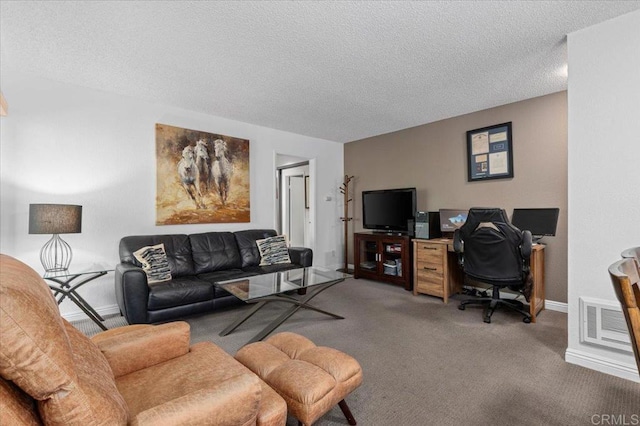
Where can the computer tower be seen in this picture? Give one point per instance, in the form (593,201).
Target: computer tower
(411,227)
(427,225)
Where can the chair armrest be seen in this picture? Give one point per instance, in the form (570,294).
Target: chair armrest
(458,247)
(132,292)
(136,347)
(527,243)
(301,255)
(526,249)
(234,401)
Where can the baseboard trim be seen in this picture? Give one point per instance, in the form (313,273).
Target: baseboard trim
(115,310)
(548,304)
(603,365)
(103,311)
(556,306)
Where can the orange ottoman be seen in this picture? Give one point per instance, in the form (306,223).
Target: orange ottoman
(310,378)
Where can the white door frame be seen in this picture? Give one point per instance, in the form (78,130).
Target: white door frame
(311,228)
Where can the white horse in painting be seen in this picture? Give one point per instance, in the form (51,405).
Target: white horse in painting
(221,169)
(202,166)
(188,173)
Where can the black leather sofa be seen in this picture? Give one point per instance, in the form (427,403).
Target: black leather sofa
(197,261)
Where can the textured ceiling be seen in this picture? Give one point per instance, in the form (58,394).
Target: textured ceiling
(340,71)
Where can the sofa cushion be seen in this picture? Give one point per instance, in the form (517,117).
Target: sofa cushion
(179,291)
(229,274)
(257,270)
(214,251)
(50,360)
(154,263)
(247,244)
(273,250)
(177,247)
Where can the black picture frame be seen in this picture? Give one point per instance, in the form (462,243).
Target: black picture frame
(490,153)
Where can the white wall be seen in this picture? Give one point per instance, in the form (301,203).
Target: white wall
(604,171)
(66,144)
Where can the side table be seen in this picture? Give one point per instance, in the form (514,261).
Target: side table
(64,286)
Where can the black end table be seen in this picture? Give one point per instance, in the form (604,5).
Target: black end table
(64,285)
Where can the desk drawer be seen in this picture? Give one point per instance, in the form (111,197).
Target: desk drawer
(429,269)
(430,285)
(429,253)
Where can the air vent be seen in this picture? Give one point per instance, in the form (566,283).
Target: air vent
(602,323)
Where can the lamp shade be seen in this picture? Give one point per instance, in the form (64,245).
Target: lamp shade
(55,219)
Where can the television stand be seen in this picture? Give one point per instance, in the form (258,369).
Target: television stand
(383,256)
(381,232)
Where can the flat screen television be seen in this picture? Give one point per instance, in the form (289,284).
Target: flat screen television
(452,219)
(540,222)
(389,210)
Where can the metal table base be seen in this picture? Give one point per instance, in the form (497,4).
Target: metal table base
(298,304)
(64,289)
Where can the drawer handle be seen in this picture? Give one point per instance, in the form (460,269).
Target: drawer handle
(429,248)
(429,269)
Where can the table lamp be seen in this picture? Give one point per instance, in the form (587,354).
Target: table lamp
(55,219)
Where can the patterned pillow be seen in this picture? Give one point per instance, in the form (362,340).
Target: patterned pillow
(273,250)
(154,263)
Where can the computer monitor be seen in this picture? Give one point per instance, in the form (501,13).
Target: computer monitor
(540,222)
(452,219)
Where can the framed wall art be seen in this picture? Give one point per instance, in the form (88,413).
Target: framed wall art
(490,153)
(201,177)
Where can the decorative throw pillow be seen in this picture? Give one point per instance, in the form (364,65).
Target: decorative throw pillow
(154,263)
(273,250)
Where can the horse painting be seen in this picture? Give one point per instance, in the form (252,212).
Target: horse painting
(202,166)
(188,172)
(221,170)
(201,177)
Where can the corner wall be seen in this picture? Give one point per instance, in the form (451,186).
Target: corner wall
(604,172)
(432,158)
(66,144)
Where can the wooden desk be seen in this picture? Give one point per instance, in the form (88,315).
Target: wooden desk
(436,272)
(435,268)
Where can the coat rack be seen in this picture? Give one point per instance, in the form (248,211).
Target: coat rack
(344,189)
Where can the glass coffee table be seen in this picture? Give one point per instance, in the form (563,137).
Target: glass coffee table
(306,283)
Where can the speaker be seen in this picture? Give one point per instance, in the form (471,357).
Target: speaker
(427,225)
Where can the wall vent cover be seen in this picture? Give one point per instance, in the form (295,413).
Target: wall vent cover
(602,323)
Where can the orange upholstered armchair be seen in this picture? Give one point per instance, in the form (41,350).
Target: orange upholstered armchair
(141,374)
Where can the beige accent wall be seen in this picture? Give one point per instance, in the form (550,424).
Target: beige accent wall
(432,158)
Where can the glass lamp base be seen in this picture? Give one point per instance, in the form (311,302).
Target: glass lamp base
(55,255)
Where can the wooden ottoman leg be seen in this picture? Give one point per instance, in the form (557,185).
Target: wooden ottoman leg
(347,413)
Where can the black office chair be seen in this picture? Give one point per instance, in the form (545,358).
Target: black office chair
(492,251)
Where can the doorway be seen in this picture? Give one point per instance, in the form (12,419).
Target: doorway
(294,202)
(296,216)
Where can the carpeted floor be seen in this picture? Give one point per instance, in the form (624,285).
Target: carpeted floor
(427,363)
